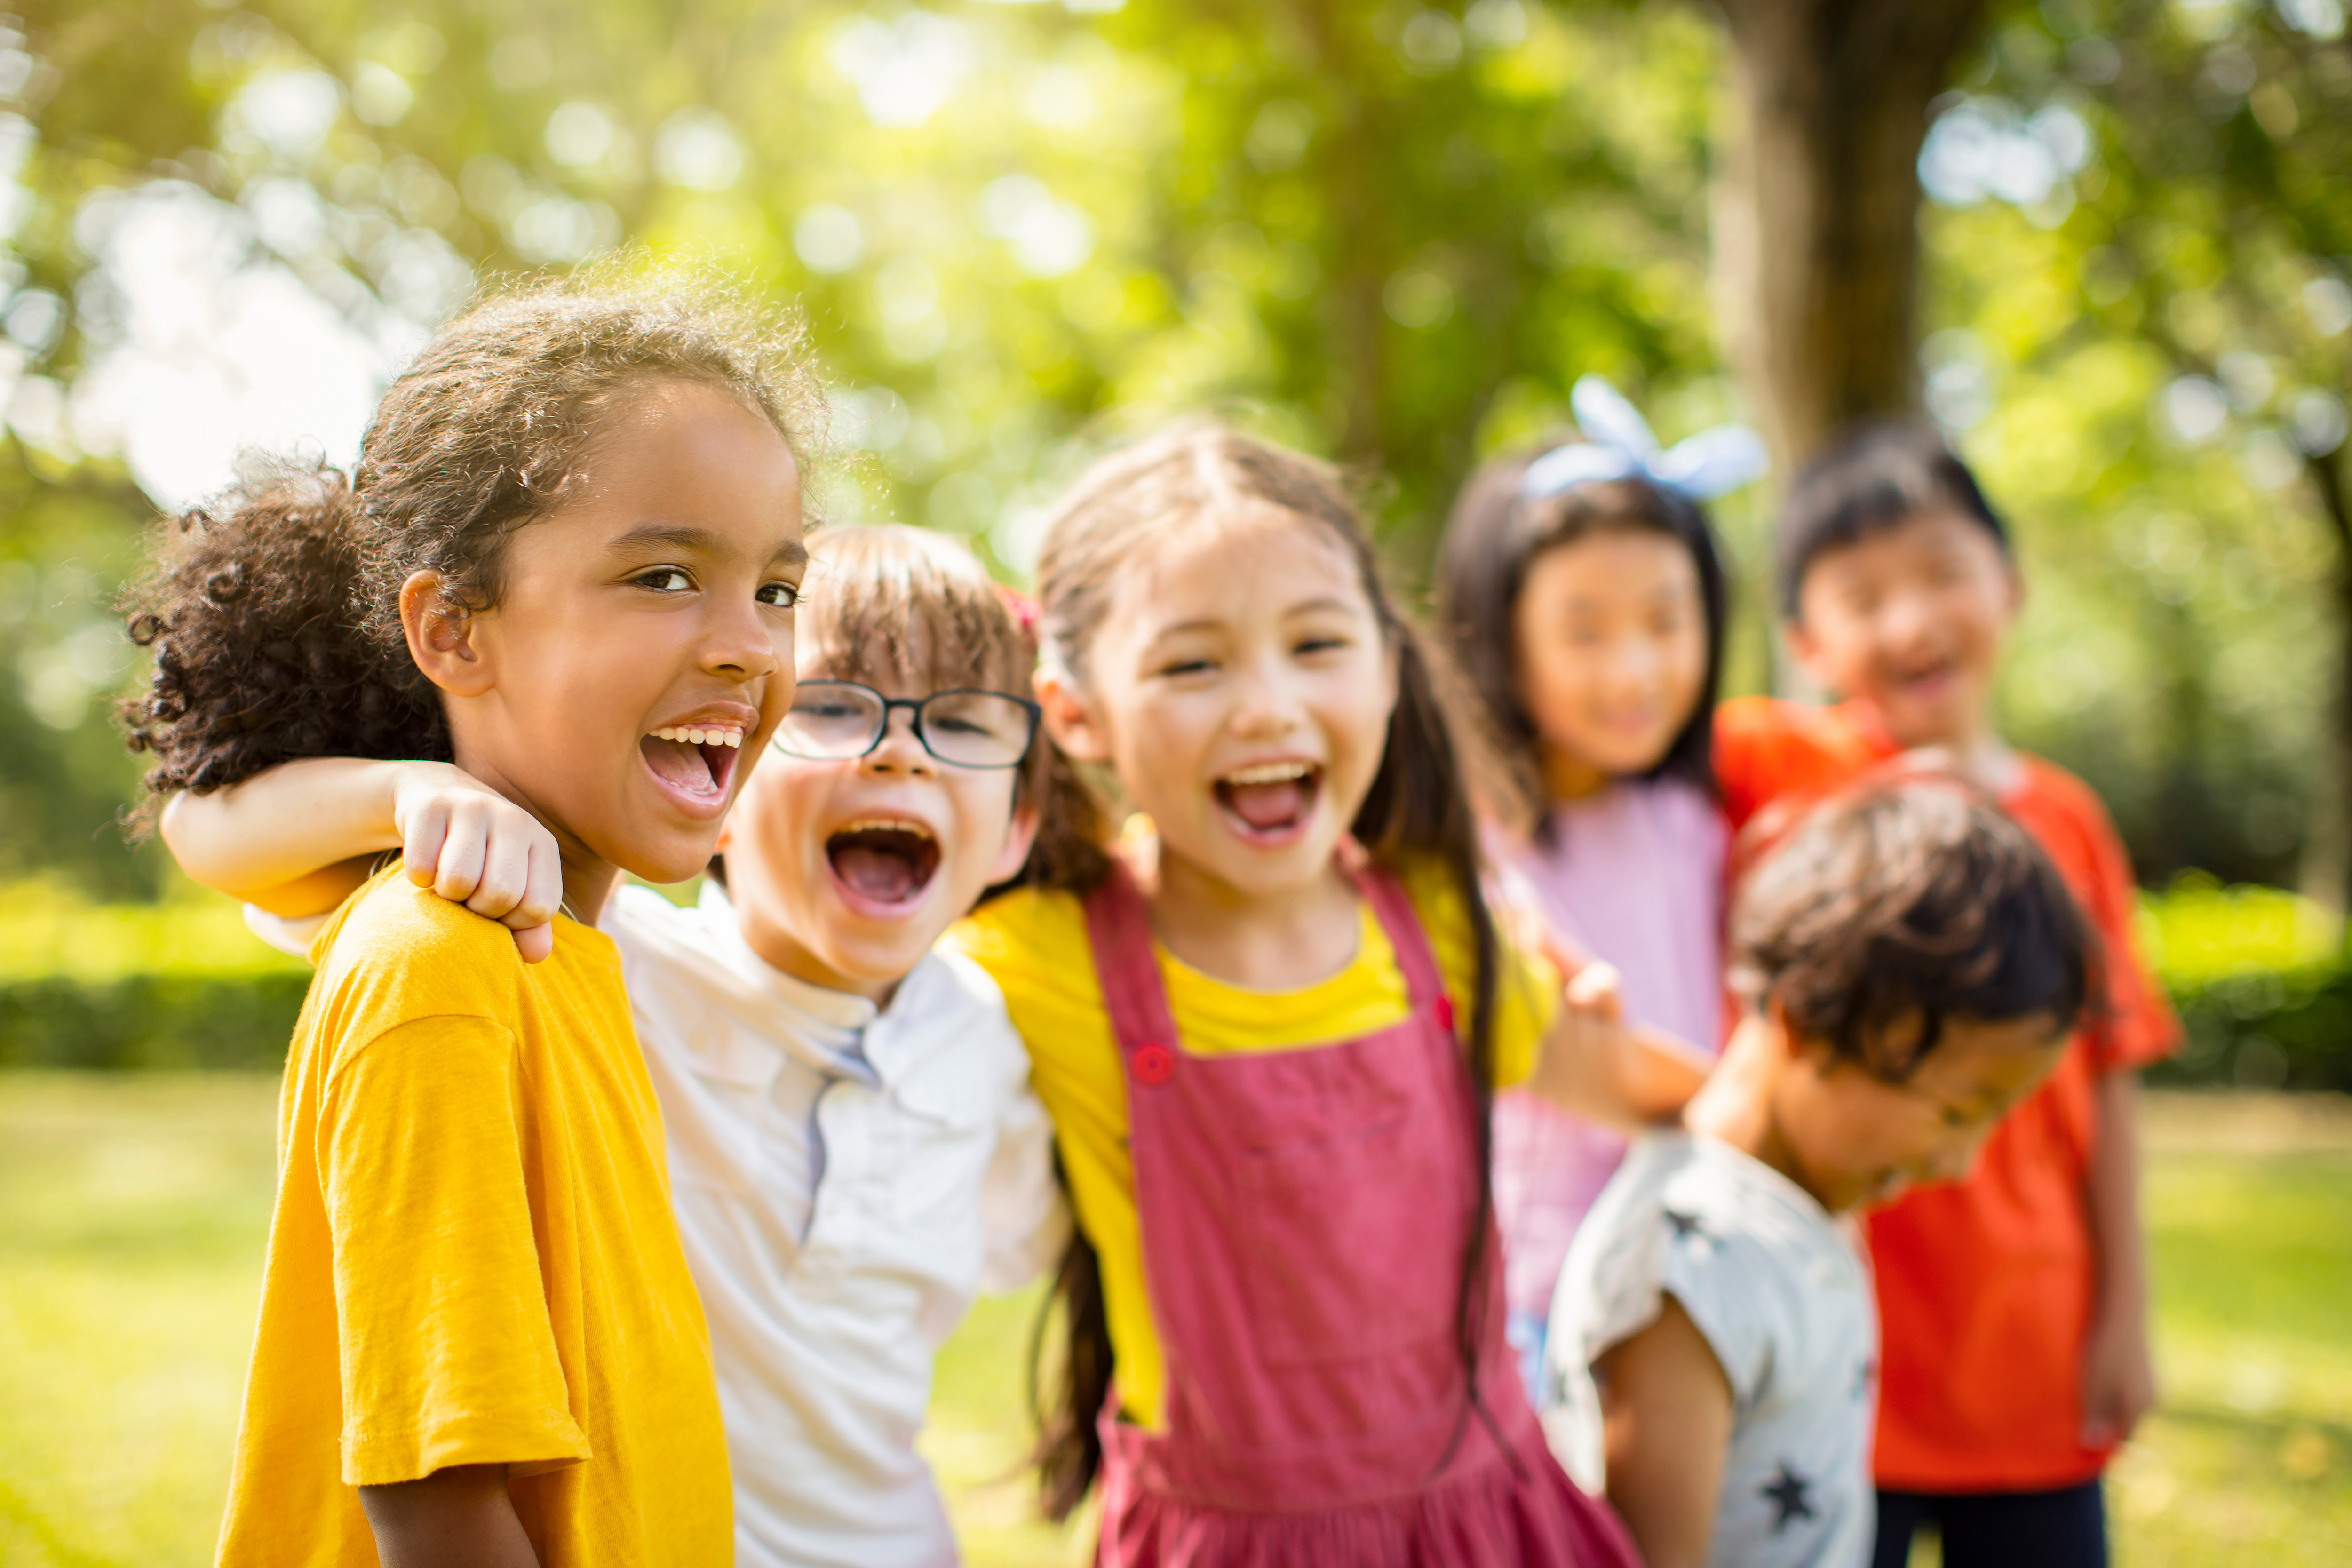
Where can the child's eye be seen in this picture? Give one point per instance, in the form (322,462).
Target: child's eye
(1321,644)
(665,580)
(1188,666)
(780,596)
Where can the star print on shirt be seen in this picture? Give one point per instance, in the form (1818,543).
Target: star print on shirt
(1687,1227)
(1787,1492)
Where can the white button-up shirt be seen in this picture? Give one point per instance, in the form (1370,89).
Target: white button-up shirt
(846,1178)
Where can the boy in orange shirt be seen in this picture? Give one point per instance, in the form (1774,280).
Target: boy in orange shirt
(2013,1302)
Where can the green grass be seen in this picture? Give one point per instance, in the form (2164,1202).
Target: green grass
(133,1207)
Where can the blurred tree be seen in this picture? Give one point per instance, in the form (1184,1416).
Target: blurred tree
(2173,181)
(1817,233)
(1393,233)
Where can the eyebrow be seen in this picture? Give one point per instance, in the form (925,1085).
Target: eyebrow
(680,536)
(1211,624)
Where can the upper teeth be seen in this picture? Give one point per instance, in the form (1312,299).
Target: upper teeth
(885,824)
(1269,773)
(706,735)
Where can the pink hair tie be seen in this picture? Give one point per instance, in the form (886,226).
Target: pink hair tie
(1024,609)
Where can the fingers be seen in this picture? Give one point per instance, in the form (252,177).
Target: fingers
(464,854)
(1595,989)
(536,943)
(521,880)
(475,848)
(422,832)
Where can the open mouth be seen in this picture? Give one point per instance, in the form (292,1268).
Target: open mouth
(698,762)
(1270,799)
(886,860)
(1929,679)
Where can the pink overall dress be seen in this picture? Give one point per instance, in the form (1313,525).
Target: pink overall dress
(1304,1215)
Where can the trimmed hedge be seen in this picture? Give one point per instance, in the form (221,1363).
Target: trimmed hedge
(151,1021)
(2262,1030)
(2266,1029)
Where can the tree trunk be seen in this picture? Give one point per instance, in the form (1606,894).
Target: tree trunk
(2326,871)
(1816,206)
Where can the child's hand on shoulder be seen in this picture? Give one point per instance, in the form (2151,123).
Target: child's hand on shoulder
(474,847)
(1598,1065)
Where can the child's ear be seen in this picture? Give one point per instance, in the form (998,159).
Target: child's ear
(440,635)
(2016,580)
(1018,836)
(1071,719)
(1806,650)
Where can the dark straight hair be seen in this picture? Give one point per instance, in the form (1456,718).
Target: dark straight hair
(1494,536)
(1417,810)
(1872,477)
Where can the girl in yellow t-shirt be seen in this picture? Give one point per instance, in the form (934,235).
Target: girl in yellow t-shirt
(1268,1034)
(567,562)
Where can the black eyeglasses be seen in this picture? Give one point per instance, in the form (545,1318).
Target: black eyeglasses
(841,721)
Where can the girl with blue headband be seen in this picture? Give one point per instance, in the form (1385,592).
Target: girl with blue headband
(1583,596)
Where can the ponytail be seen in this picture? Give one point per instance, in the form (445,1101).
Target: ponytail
(262,645)
(1068,1454)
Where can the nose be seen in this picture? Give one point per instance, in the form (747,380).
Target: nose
(1265,701)
(1629,667)
(739,643)
(1904,619)
(900,753)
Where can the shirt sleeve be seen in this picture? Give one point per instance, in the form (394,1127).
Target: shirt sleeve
(1527,988)
(1024,1223)
(448,1353)
(2139,1026)
(291,934)
(1722,1299)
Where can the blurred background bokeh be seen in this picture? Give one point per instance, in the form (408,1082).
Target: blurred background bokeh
(2107,244)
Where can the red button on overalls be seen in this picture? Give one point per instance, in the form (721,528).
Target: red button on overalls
(1153,1063)
(1445,1014)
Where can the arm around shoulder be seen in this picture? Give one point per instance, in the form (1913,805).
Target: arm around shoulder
(295,840)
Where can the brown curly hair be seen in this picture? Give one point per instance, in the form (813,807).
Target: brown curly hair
(1911,900)
(274,614)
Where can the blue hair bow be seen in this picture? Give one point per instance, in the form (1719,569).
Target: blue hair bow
(1619,444)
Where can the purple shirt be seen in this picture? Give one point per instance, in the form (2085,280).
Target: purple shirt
(1633,876)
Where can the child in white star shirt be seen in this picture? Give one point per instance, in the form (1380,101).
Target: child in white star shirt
(853,1149)
(1911,966)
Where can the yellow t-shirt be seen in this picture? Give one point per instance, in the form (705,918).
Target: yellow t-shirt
(1035,943)
(473,1227)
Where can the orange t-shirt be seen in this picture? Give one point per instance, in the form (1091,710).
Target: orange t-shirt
(1986,1286)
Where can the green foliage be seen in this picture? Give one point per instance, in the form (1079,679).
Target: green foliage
(2151,355)
(1395,234)
(2260,977)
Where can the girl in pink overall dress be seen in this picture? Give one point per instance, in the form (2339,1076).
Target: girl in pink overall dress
(1305,1219)
(1301,1211)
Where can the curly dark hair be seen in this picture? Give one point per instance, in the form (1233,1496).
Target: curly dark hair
(1909,898)
(274,613)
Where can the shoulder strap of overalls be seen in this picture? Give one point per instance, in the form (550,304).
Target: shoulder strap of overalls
(1118,929)
(1424,982)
